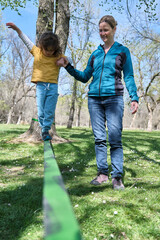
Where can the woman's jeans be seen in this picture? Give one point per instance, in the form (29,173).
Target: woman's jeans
(108,109)
(46,95)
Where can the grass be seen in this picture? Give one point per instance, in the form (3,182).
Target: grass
(102,213)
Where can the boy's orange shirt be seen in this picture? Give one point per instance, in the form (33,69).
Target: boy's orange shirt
(44,68)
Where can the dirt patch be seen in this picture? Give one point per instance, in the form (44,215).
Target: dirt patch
(3,185)
(15,170)
(34,140)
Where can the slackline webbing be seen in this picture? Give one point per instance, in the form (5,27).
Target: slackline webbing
(36,120)
(59,219)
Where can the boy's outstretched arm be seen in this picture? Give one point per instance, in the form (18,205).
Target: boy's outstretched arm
(14,27)
(24,38)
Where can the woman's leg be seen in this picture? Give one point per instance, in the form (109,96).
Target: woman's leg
(97,115)
(114,108)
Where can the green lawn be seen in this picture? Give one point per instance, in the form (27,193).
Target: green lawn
(102,213)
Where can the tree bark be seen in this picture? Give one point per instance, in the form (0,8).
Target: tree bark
(150,117)
(62,22)
(46,11)
(72,108)
(79,114)
(133,120)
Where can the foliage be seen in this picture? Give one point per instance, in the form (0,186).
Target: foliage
(102,213)
(149,7)
(15,4)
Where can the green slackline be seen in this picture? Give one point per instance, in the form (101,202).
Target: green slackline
(59,219)
(36,120)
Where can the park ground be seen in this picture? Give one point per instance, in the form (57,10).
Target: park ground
(103,214)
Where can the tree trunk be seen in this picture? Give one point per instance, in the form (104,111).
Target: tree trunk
(45,18)
(62,22)
(72,108)
(133,120)
(150,117)
(79,113)
(9,120)
(19,118)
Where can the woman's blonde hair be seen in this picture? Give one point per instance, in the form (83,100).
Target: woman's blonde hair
(109,19)
(50,41)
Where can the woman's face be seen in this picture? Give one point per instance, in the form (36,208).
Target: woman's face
(106,32)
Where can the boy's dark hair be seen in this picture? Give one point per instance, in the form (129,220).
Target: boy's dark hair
(50,41)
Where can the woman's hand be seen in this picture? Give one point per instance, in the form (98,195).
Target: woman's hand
(14,27)
(62,62)
(134,107)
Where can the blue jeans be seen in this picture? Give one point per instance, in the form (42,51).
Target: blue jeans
(46,95)
(108,109)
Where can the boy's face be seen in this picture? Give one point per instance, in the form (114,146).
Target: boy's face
(48,53)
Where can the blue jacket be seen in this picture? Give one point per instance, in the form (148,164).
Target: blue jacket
(106,72)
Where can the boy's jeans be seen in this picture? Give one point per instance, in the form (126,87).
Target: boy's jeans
(46,95)
(108,109)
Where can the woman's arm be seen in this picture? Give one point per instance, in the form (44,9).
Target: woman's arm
(82,76)
(129,77)
(130,83)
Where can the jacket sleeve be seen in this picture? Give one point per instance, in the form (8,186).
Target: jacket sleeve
(26,41)
(82,76)
(129,77)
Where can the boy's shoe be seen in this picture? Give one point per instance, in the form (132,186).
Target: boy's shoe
(46,136)
(101,178)
(117,183)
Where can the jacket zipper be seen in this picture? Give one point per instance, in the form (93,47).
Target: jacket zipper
(101,73)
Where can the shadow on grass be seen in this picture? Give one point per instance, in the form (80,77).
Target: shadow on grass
(131,211)
(26,202)
(75,133)
(10,131)
(83,155)
(133,140)
(19,208)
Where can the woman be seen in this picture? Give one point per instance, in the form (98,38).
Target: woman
(105,98)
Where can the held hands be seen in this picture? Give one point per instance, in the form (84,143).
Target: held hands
(62,62)
(13,26)
(134,107)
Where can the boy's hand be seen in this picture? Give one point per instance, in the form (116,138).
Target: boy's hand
(13,26)
(62,62)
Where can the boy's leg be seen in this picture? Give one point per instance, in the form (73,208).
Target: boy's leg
(50,106)
(40,98)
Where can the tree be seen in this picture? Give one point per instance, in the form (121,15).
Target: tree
(17,75)
(78,46)
(52,15)
(147,69)
(131,6)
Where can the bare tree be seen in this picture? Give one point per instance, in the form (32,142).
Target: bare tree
(17,74)
(147,67)
(78,46)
